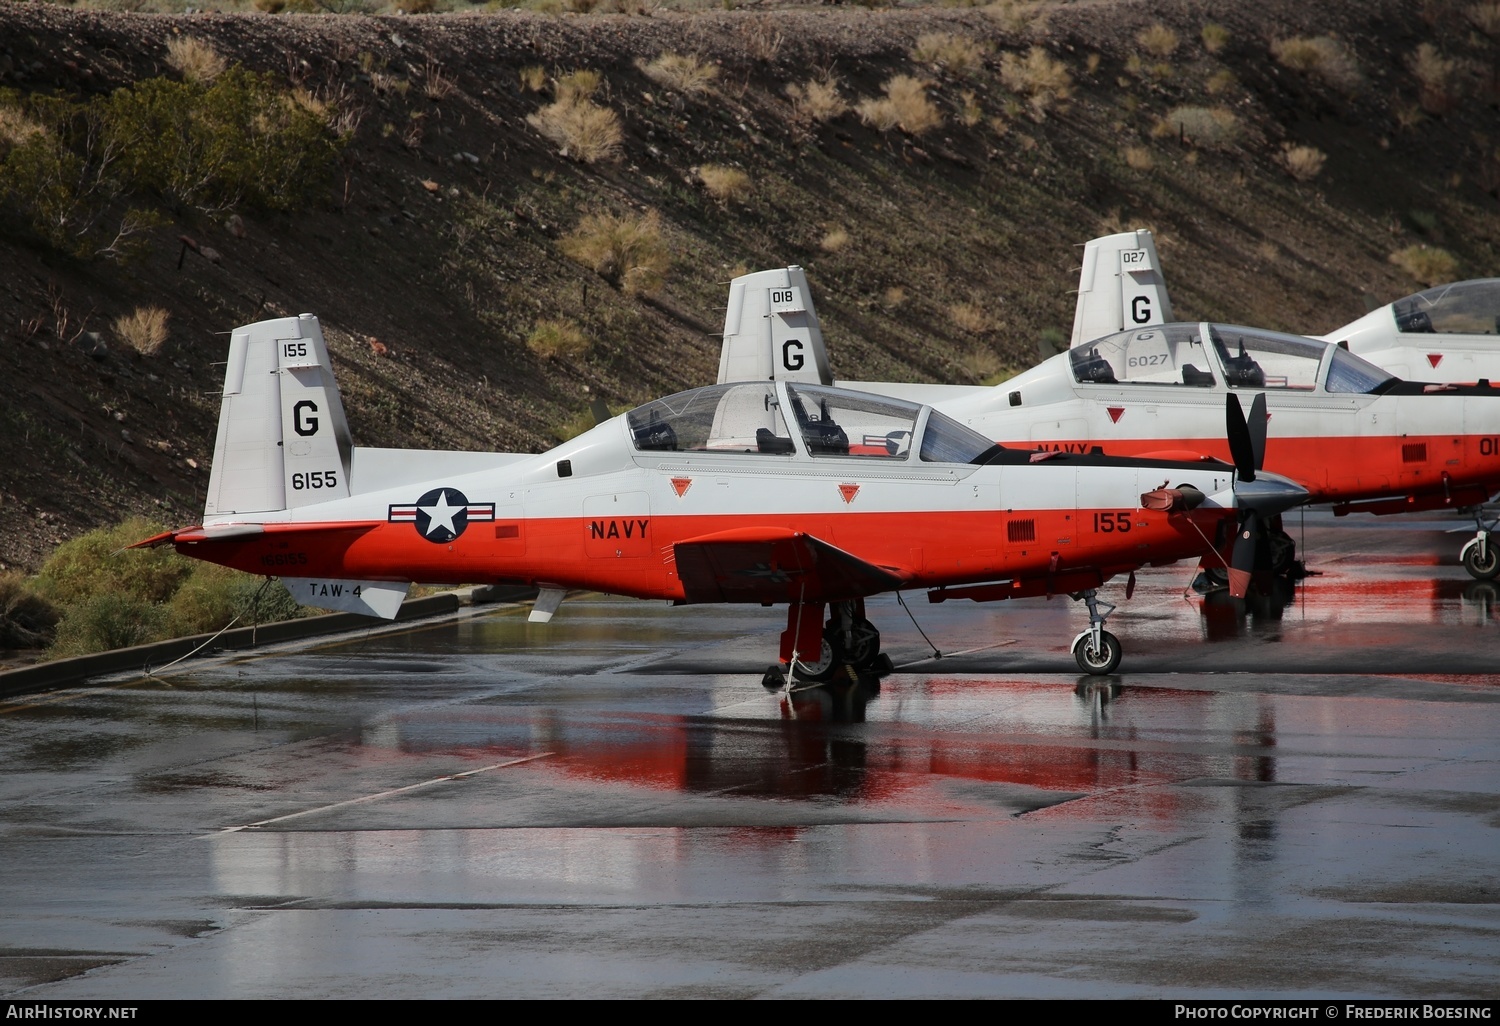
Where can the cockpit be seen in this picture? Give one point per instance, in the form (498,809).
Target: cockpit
(789,420)
(1204,355)
(1463,308)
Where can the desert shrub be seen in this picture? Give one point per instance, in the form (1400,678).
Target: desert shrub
(270,6)
(971,113)
(436,85)
(99,562)
(1018,16)
(111,619)
(580,85)
(684,73)
(1485,17)
(241,140)
(627,251)
(762,39)
(949,51)
(1038,76)
(817,99)
(1158,40)
(1437,79)
(16,128)
(26,619)
(1209,127)
(144,329)
(583,130)
(970,317)
(1137,158)
(1215,37)
(1303,163)
(834,240)
(215,596)
(1321,57)
(904,106)
(194,59)
(554,338)
(1427,264)
(725,184)
(1220,81)
(893,296)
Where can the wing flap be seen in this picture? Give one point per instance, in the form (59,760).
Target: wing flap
(776,565)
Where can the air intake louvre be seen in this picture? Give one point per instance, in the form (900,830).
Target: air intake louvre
(1414,452)
(1021,530)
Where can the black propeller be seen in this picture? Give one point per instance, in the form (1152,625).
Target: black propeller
(1259,497)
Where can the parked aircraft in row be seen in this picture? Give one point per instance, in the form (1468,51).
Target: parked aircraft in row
(1351,433)
(756,492)
(1448,335)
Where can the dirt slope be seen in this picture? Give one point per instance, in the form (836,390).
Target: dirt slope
(438,238)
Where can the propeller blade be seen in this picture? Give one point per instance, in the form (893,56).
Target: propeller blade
(1241,443)
(1257,427)
(1242,559)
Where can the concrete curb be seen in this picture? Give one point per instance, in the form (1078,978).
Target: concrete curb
(63,672)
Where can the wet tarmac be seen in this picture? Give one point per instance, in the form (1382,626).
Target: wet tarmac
(1298,798)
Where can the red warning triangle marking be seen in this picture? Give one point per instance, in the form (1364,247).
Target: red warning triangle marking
(1434,358)
(848,491)
(1115,413)
(680,485)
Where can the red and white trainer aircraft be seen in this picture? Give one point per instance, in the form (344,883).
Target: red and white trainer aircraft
(1351,433)
(764,492)
(1448,333)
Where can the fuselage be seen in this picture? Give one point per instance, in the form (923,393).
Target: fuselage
(1342,429)
(1449,333)
(607,510)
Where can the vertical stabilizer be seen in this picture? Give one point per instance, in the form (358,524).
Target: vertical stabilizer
(1120,286)
(283,441)
(771,330)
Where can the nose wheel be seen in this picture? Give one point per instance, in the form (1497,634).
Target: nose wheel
(1097,651)
(1481,557)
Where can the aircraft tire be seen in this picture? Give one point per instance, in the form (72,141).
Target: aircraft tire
(829,661)
(1102,661)
(864,654)
(1483,567)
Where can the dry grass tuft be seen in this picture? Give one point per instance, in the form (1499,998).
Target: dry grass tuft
(551,339)
(16,127)
(533,78)
(1018,16)
(971,113)
(684,73)
(1437,78)
(970,317)
(143,330)
(195,60)
(905,106)
(1209,127)
(986,368)
(1486,18)
(436,85)
(834,241)
(1138,158)
(627,251)
(1427,264)
(1303,163)
(725,184)
(1220,82)
(956,54)
(1044,80)
(1158,40)
(893,297)
(762,39)
(1215,37)
(577,86)
(817,99)
(585,131)
(1321,57)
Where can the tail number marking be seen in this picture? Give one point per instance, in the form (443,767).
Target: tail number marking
(1489,446)
(1109,523)
(315,479)
(293,349)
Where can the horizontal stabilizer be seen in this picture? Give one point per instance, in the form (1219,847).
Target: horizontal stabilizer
(372,598)
(776,565)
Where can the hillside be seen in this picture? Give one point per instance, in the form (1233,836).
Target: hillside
(436,243)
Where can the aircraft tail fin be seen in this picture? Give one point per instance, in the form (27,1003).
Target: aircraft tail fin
(771,330)
(283,440)
(1120,286)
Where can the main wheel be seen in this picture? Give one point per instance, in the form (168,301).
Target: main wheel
(823,669)
(1098,661)
(864,649)
(1483,566)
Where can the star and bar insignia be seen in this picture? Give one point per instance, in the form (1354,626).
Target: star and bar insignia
(442,514)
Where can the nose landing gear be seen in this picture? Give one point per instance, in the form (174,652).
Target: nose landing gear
(1481,557)
(1097,651)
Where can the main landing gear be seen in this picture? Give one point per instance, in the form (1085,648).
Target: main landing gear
(1098,652)
(847,644)
(1481,556)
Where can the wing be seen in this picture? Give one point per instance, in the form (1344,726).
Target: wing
(776,565)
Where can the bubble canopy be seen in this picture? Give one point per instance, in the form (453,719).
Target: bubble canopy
(794,421)
(1211,355)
